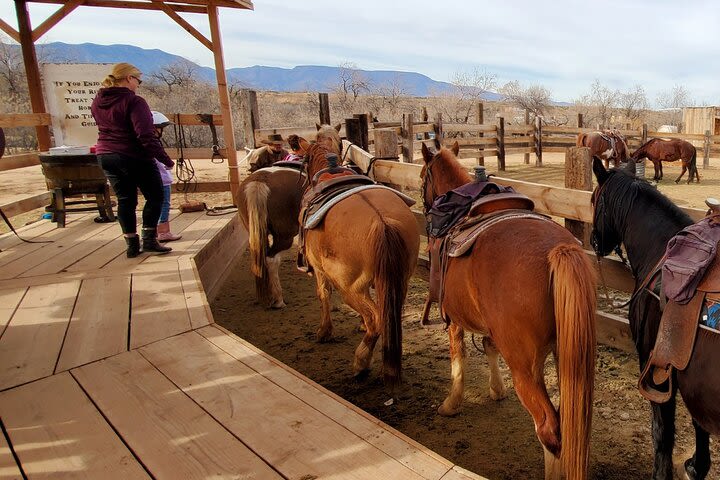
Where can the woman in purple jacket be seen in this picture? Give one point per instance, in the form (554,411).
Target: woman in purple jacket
(126,149)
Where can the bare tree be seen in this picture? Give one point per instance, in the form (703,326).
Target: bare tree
(599,103)
(674,100)
(468,90)
(178,74)
(535,98)
(633,103)
(351,84)
(12,70)
(388,97)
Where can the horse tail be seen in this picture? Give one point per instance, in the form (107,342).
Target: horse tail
(693,166)
(574,297)
(580,140)
(393,269)
(256,196)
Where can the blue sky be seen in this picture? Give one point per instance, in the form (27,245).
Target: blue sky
(562,45)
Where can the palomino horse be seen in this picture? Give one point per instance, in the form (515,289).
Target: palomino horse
(631,212)
(529,288)
(269,206)
(659,150)
(367,240)
(608,145)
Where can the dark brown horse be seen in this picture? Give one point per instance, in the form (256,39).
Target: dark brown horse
(367,240)
(269,207)
(659,150)
(608,145)
(529,288)
(631,212)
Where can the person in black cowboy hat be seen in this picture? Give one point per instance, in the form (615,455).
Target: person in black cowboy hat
(272,152)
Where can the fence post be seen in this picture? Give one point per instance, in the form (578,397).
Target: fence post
(480,120)
(644,135)
(425,118)
(526,158)
(578,175)
(501,144)
(324,108)
(249,117)
(362,135)
(538,141)
(408,136)
(439,128)
(580,120)
(706,150)
(386,144)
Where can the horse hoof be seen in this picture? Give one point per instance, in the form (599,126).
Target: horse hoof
(497,396)
(278,305)
(362,375)
(323,337)
(446,411)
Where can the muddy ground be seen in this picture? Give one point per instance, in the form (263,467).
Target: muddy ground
(494,439)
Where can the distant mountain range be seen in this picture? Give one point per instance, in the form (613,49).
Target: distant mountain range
(303,78)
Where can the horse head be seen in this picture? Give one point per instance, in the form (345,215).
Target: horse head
(330,136)
(438,160)
(604,237)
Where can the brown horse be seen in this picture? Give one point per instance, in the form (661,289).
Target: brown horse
(269,207)
(529,288)
(659,150)
(367,240)
(608,145)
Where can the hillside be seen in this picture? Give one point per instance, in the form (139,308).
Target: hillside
(298,79)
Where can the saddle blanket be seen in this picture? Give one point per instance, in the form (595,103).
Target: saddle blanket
(710,316)
(315,219)
(278,168)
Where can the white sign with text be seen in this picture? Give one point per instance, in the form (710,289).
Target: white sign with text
(69,91)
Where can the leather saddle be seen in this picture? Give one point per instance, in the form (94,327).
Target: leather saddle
(676,338)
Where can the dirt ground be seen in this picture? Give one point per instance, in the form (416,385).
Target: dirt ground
(494,439)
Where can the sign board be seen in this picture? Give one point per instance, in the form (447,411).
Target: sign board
(69,92)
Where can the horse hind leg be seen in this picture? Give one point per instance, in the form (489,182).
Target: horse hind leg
(682,172)
(663,436)
(324,291)
(497,386)
(452,404)
(362,303)
(276,294)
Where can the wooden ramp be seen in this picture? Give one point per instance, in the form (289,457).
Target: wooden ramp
(113,368)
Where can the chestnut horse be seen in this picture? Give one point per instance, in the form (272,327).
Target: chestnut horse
(529,288)
(367,240)
(269,206)
(631,212)
(606,145)
(659,150)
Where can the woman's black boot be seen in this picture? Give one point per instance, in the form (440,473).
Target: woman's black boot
(133,246)
(150,242)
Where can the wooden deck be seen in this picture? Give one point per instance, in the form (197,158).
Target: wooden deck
(113,368)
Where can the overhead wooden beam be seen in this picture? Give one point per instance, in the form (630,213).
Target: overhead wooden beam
(11,32)
(184,24)
(53,19)
(129,4)
(32,71)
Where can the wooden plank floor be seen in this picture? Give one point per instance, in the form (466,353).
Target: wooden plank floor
(113,368)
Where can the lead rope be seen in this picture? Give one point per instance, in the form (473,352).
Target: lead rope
(184,169)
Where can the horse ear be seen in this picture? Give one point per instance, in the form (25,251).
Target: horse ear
(630,167)
(304,144)
(455,148)
(426,153)
(317,126)
(599,170)
(338,127)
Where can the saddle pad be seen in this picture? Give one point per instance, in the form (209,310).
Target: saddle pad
(710,317)
(277,168)
(317,217)
(461,241)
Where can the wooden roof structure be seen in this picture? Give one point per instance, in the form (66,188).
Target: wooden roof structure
(27,36)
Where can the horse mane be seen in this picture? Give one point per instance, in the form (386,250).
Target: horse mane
(330,137)
(317,161)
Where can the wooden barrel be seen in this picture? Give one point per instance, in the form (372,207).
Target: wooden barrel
(75,174)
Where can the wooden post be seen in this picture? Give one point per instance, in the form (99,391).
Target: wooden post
(386,144)
(439,135)
(32,71)
(324,108)
(249,117)
(501,144)
(228,131)
(706,150)
(363,126)
(538,141)
(352,131)
(578,176)
(480,120)
(580,120)
(526,159)
(408,137)
(425,118)
(643,135)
